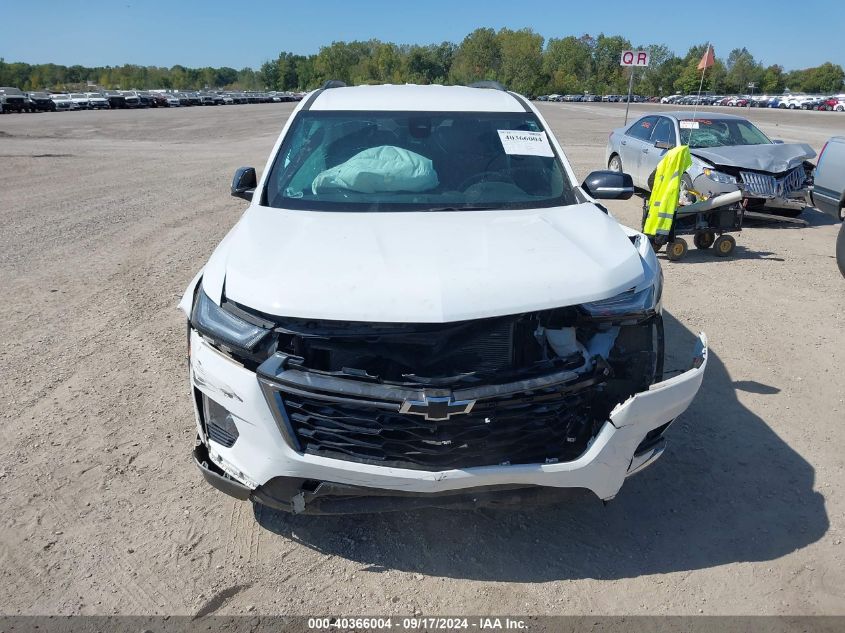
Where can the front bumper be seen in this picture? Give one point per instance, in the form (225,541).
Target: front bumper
(261,465)
(794,200)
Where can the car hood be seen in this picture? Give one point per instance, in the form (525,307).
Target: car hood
(775,158)
(421,267)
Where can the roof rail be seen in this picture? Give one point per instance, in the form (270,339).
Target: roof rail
(333,83)
(488,83)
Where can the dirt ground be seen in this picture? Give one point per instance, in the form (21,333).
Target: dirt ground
(105,218)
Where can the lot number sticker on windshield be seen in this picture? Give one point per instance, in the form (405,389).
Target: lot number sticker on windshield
(689,125)
(525,143)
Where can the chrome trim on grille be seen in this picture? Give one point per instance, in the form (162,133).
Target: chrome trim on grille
(770,186)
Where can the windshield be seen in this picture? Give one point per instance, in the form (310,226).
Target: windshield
(416,161)
(701,133)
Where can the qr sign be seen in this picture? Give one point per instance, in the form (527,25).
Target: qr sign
(634,58)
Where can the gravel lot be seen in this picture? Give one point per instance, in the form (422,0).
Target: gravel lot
(106,216)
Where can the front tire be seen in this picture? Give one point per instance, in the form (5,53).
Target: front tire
(676,249)
(724,245)
(840,250)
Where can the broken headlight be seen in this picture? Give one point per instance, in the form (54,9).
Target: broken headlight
(717,176)
(629,305)
(213,321)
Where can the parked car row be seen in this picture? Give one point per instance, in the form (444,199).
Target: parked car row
(591,98)
(783,102)
(15,100)
(790,102)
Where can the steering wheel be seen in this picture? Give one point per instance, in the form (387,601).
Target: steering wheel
(498,176)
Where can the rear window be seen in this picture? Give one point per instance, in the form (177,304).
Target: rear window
(416,161)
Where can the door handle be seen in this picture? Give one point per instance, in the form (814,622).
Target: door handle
(624,142)
(645,151)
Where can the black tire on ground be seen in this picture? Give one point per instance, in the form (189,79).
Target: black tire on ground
(840,250)
(724,245)
(704,239)
(676,249)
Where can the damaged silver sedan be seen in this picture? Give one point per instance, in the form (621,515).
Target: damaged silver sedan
(728,153)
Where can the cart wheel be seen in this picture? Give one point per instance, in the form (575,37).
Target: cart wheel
(704,239)
(676,249)
(724,245)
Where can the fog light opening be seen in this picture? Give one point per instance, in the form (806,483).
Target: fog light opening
(219,423)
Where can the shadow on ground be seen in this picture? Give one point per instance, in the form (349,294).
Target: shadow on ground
(727,490)
(814,218)
(696,255)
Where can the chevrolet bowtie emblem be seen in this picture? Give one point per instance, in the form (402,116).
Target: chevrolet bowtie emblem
(437,408)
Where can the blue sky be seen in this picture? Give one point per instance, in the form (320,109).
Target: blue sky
(238,34)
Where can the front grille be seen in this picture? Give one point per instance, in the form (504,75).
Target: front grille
(391,352)
(542,426)
(768,185)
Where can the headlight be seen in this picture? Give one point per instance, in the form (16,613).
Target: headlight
(631,304)
(218,324)
(717,176)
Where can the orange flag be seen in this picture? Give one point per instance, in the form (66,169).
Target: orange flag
(708,59)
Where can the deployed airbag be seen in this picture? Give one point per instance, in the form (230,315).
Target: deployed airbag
(379,169)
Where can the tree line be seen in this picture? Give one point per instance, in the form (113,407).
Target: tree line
(521,59)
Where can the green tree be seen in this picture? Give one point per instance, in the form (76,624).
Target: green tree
(340,61)
(568,64)
(608,75)
(659,76)
(478,57)
(268,75)
(773,80)
(827,78)
(429,64)
(521,60)
(742,69)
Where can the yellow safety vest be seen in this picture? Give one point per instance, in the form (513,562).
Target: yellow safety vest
(666,191)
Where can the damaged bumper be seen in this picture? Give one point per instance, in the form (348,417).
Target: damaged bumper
(766,193)
(261,464)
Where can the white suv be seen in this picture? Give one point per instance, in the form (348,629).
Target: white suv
(421,306)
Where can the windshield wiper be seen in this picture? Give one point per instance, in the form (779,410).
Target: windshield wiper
(461,208)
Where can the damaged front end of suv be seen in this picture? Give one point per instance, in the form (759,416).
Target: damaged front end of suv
(441,318)
(522,389)
(531,404)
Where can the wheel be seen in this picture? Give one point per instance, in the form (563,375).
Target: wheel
(686,189)
(704,239)
(676,249)
(615,163)
(840,250)
(724,245)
